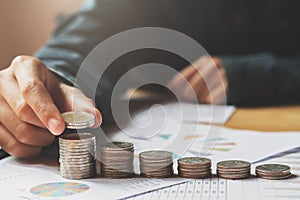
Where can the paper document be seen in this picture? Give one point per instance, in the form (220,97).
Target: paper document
(212,114)
(38,181)
(215,142)
(247,189)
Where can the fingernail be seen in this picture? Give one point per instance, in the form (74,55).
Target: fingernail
(53,124)
(98,116)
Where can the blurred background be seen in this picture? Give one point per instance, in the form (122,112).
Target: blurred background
(26,25)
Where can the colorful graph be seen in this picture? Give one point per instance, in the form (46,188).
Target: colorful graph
(59,189)
(164,136)
(212,145)
(192,136)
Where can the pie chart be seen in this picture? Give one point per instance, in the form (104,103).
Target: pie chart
(59,189)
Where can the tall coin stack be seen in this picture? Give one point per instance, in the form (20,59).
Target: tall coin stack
(273,171)
(156,164)
(117,159)
(194,167)
(77,156)
(77,150)
(233,169)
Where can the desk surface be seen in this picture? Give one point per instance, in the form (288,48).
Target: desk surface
(285,118)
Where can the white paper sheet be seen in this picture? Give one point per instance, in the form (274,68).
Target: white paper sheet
(212,114)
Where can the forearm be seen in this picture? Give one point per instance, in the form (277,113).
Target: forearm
(75,36)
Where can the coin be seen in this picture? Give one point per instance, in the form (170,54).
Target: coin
(273,171)
(78,119)
(233,164)
(77,138)
(233,169)
(155,155)
(194,161)
(273,168)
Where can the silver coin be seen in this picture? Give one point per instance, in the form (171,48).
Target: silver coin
(117,176)
(66,156)
(234,177)
(234,170)
(116,146)
(195,175)
(77,168)
(77,145)
(232,164)
(78,119)
(77,177)
(275,177)
(273,168)
(157,175)
(78,172)
(188,161)
(74,163)
(193,170)
(76,150)
(155,155)
(79,138)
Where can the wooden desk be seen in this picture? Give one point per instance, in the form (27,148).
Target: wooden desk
(286,118)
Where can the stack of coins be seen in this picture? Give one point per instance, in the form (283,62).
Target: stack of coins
(233,169)
(273,171)
(156,164)
(194,167)
(77,156)
(117,159)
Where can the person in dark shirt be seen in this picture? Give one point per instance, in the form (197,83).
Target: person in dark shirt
(253,43)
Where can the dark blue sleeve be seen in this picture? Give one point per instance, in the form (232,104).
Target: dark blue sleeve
(77,34)
(262,79)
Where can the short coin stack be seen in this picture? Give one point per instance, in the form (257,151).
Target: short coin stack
(194,167)
(233,169)
(77,155)
(156,164)
(117,159)
(273,171)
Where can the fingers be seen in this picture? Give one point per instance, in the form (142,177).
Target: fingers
(16,102)
(75,100)
(15,148)
(217,96)
(206,79)
(184,75)
(179,81)
(22,131)
(197,86)
(31,79)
